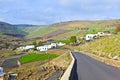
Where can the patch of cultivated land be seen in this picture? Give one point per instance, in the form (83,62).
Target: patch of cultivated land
(36,57)
(41,70)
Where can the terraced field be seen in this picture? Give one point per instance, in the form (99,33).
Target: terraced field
(36,57)
(42,70)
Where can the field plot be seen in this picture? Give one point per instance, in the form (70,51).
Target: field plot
(36,57)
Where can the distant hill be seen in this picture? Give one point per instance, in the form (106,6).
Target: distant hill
(27,25)
(57,31)
(10,30)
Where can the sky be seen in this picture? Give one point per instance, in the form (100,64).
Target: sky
(42,12)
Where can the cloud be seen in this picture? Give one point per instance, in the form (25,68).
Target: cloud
(47,12)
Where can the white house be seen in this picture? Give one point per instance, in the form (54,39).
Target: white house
(42,48)
(2,73)
(46,47)
(53,45)
(29,46)
(21,48)
(60,44)
(49,46)
(26,47)
(91,36)
(103,34)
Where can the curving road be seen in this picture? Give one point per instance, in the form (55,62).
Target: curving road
(87,68)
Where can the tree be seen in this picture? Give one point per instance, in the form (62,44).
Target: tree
(34,43)
(40,43)
(118,29)
(73,39)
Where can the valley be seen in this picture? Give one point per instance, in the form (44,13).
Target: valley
(29,63)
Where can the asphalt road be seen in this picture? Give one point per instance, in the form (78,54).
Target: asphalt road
(87,68)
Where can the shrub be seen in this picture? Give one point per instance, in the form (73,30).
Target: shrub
(118,28)
(40,43)
(73,39)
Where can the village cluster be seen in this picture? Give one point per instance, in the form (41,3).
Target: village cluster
(41,48)
(95,36)
(88,37)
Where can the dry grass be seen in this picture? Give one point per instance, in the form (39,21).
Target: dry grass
(105,47)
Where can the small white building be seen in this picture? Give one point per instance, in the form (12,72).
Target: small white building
(49,46)
(53,45)
(26,47)
(42,48)
(91,36)
(103,34)
(29,46)
(94,36)
(60,44)
(2,73)
(46,47)
(21,48)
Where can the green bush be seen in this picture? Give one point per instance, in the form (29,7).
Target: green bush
(65,41)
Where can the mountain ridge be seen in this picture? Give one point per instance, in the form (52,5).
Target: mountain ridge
(10,30)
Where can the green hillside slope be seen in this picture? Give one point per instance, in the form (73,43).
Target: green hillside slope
(106,47)
(7,29)
(38,31)
(64,30)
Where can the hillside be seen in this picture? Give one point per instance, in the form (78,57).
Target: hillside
(7,29)
(64,30)
(105,47)
(58,31)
